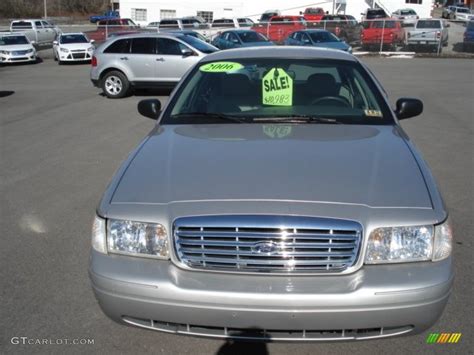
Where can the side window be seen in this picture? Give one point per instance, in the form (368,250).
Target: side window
(120,46)
(45,24)
(305,38)
(233,38)
(168,46)
(143,45)
(38,24)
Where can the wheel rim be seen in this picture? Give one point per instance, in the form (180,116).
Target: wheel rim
(113,85)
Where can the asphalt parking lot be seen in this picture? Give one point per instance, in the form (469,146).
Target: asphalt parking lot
(60,143)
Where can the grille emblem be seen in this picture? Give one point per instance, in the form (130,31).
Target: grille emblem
(268,248)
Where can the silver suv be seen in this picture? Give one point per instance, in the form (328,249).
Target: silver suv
(144,60)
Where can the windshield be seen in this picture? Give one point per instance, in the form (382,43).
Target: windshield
(12,40)
(319,37)
(428,24)
(198,44)
(273,89)
(375,13)
(407,12)
(251,36)
(66,39)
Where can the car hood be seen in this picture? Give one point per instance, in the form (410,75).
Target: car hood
(346,164)
(17,47)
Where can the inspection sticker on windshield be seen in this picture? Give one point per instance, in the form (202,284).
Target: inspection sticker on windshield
(277,88)
(220,67)
(373,113)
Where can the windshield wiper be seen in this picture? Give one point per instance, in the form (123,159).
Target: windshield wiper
(211,115)
(299,119)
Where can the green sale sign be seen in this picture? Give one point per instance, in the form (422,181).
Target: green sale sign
(277,88)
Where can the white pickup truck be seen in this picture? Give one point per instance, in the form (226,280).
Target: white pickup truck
(428,33)
(39,32)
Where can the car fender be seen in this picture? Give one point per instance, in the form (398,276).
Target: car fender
(117,64)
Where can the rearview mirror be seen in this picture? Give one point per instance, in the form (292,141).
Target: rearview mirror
(186,52)
(407,107)
(150,108)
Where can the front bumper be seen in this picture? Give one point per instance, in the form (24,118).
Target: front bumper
(376,301)
(29,57)
(75,57)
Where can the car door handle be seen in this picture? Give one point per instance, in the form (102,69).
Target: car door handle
(124,58)
(160,59)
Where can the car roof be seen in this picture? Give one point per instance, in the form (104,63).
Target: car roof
(313,30)
(30,19)
(72,33)
(237,30)
(280,52)
(147,34)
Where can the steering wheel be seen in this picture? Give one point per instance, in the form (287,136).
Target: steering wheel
(338,100)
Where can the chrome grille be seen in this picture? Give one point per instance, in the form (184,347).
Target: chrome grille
(282,244)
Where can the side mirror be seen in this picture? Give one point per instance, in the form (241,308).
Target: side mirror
(301,12)
(150,108)
(407,107)
(33,42)
(186,52)
(92,41)
(54,42)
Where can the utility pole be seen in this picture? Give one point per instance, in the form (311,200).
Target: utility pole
(333,6)
(45,10)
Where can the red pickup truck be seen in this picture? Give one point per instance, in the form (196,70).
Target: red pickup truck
(390,32)
(313,14)
(106,27)
(280,27)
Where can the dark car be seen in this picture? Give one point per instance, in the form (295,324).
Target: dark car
(317,38)
(372,14)
(240,38)
(468,38)
(344,27)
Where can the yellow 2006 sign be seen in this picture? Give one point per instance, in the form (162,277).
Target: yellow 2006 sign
(277,88)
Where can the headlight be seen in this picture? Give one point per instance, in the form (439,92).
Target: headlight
(137,239)
(408,244)
(31,50)
(399,244)
(5,52)
(91,49)
(64,50)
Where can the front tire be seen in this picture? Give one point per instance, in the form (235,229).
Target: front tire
(115,85)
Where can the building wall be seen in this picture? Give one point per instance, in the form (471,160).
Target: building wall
(253,8)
